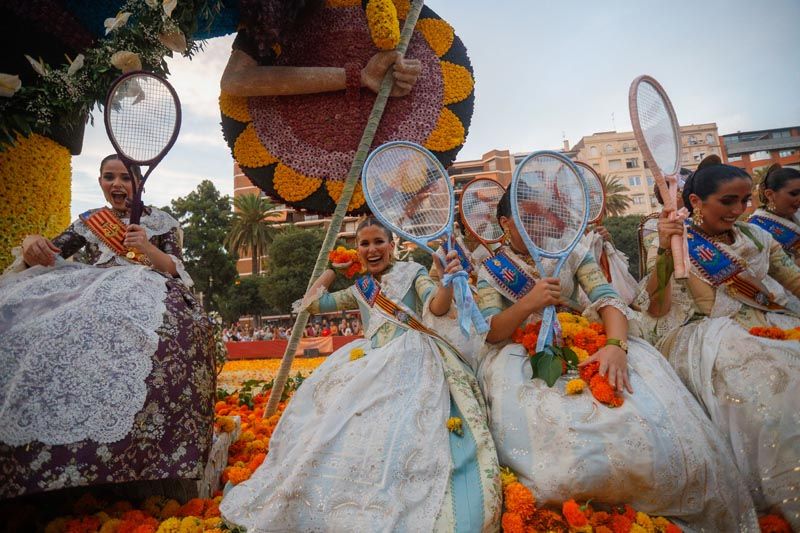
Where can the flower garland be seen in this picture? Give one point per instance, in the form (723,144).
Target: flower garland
(771,332)
(521,515)
(141,34)
(35,189)
(583,339)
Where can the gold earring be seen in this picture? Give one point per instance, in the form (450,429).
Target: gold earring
(506,237)
(697,216)
(771,205)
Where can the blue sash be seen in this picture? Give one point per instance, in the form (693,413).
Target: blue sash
(368,288)
(786,236)
(515,282)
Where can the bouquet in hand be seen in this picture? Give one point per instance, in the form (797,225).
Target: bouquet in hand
(346,261)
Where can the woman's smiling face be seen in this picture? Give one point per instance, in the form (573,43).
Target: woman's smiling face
(375,248)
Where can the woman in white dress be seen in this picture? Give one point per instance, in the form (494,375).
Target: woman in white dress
(779,213)
(739,279)
(657,452)
(364,444)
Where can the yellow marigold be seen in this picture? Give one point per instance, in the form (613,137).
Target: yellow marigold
(454,425)
(356,354)
(335,188)
(293,186)
(438,34)
(170,525)
(507,476)
(226,424)
(646,522)
(575,386)
(661,524)
(793,334)
(191,524)
(212,522)
(111,526)
(342,3)
(582,354)
(170,509)
(35,191)
(384,25)
(248,150)
(402,6)
(636,528)
(449,132)
(458,82)
(234,107)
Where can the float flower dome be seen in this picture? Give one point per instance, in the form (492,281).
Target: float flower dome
(298,149)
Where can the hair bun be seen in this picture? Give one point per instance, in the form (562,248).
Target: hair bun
(709,161)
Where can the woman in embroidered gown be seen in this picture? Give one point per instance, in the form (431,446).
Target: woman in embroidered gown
(738,280)
(107,375)
(364,443)
(657,452)
(779,214)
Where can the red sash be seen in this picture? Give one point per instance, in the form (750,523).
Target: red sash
(111,231)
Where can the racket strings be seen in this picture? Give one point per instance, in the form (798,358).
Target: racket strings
(143,117)
(409,191)
(551,204)
(479,209)
(657,127)
(594,189)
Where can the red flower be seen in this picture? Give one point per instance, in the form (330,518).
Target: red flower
(513,523)
(572,512)
(773,523)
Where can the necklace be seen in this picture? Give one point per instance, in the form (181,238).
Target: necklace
(726,237)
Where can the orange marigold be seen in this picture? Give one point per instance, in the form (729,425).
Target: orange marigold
(547,520)
(513,523)
(572,512)
(293,186)
(438,33)
(449,132)
(519,499)
(335,188)
(621,523)
(236,474)
(84,524)
(458,82)
(603,393)
(234,107)
(773,523)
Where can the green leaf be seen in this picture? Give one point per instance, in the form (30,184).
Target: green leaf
(570,357)
(548,368)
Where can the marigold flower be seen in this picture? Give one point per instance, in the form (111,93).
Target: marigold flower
(356,354)
(646,522)
(438,34)
(507,476)
(512,523)
(383,22)
(773,523)
(620,523)
(573,513)
(454,425)
(519,499)
(603,393)
(575,386)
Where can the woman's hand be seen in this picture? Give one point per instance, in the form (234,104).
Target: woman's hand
(614,364)
(406,72)
(667,228)
(36,250)
(452,265)
(136,238)
(546,291)
(603,232)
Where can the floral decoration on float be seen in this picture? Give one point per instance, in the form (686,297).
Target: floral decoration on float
(772,332)
(580,340)
(299,149)
(346,261)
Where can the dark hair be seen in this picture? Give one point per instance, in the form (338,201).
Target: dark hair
(268,22)
(776,179)
(504,205)
(705,181)
(372,221)
(115,157)
(657,192)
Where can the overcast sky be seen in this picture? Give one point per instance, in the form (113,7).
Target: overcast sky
(544,69)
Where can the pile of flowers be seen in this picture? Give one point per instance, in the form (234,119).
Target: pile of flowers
(520,514)
(342,256)
(236,373)
(580,339)
(776,333)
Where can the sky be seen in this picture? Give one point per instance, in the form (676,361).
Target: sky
(545,70)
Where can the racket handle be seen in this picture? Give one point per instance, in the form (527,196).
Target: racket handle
(546,329)
(680,252)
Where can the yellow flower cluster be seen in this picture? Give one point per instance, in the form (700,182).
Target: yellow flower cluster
(356,354)
(438,33)
(575,386)
(234,107)
(292,185)
(458,82)
(454,425)
(335,188)
(384,25)
(507,476)
(236,372)
(448,133)
(248,150)
(35,191)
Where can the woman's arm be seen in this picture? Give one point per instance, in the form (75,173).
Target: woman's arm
(36,250)
(546,291)
(612,358)
(659,285)
(136,238)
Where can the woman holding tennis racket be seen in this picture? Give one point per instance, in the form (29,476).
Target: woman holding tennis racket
(105,356)
(656,452)
(736,294)
(389,433)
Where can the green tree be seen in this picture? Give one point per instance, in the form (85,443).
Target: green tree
(205,219)
(244,297)
(617,199)
(290,260)
(251,230)
(624,232)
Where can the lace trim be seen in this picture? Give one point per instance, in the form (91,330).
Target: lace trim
(305,302)
(182,273)
(19,263)
(592,311)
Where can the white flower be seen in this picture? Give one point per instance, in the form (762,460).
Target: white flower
(120,20)
(174,40)
(169,5)
(9,85)
(38,66)
(75,65)
(126,61)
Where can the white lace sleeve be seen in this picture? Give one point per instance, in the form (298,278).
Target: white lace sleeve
(185,277)
(310,297)
(592,311)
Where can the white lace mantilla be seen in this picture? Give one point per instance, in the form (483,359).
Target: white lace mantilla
(77,345)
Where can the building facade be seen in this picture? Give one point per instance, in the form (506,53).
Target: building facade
(757,150)
(616,154)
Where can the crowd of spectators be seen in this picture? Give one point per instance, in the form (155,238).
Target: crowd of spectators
(280,330)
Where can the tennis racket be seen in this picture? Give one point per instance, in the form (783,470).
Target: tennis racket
(408,190)
(478,208)
(658,134)
(597,204)
(143,118)
(550,208)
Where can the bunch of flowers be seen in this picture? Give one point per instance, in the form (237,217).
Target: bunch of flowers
(776,333)
(520,514)
(384,24)
(238,372)
(346,261)
(580,339)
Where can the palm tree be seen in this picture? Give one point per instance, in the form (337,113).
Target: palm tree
(617,199)
(251,231)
